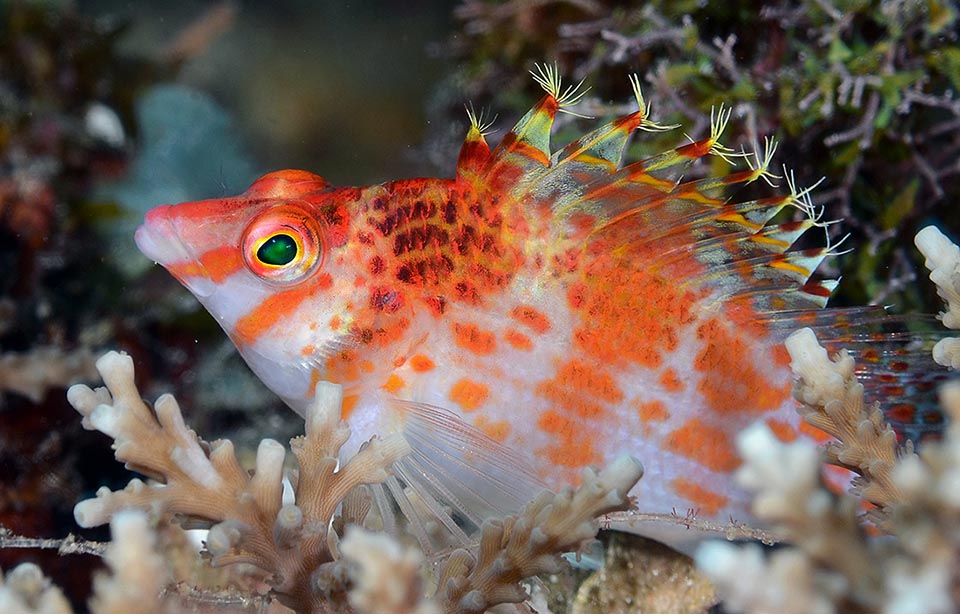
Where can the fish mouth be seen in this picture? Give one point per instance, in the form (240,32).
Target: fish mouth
(158,239)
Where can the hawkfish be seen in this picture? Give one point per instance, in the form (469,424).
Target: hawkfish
(538,313)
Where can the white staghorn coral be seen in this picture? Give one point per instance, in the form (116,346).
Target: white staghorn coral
(137,577)
(943,260)
(529,543)
(833,401)
(33,373)
(786,583)
(296,541)
(25,590)
(138,573)
(386,574)
(833,565)
(250,522)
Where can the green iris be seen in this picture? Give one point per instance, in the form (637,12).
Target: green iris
(278,250)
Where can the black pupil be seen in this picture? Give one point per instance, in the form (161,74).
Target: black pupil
(278,250)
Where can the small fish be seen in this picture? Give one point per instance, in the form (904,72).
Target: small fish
(540,312)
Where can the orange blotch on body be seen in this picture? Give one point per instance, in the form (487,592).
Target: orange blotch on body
(705,444)
(782,430)
(393,384)
(474,339)
(708,501)
(531,318)
(653,411)
(517,340)
(627,314)
(497,430)
(670,381)
(731,381)
(583,377)
(574,447)
(421,363)
(349,404)
(468,394)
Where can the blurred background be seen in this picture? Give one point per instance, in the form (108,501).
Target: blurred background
(110,108)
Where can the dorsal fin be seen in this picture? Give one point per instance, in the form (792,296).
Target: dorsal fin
(690,231)
(475,153)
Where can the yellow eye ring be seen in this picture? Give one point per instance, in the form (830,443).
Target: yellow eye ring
(283,245)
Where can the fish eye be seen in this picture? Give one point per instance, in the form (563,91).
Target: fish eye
(283,245)
(278,250)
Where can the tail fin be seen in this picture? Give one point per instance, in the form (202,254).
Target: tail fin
(894,357)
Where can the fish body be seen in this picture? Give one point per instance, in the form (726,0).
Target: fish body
(560,305)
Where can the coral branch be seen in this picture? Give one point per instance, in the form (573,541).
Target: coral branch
(943,260)
(528,544)
(297,542)
(833,401)
(205,482)
(833,565)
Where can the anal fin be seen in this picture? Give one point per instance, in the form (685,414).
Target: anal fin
(456,476)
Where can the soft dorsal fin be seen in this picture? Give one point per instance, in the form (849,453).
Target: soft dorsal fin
(475,153)
(691,234)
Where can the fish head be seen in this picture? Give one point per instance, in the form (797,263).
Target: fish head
(265,265)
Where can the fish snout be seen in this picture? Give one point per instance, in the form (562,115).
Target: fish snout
(159,239)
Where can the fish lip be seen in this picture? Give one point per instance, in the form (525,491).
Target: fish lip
(158,239)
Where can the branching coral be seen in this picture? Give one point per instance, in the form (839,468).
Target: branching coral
(296,542)
(943,260)
(833,565)
(26,590)
(32,373)
(528,544)
(205,482)
(833,401)
(471,580)
(138,574)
